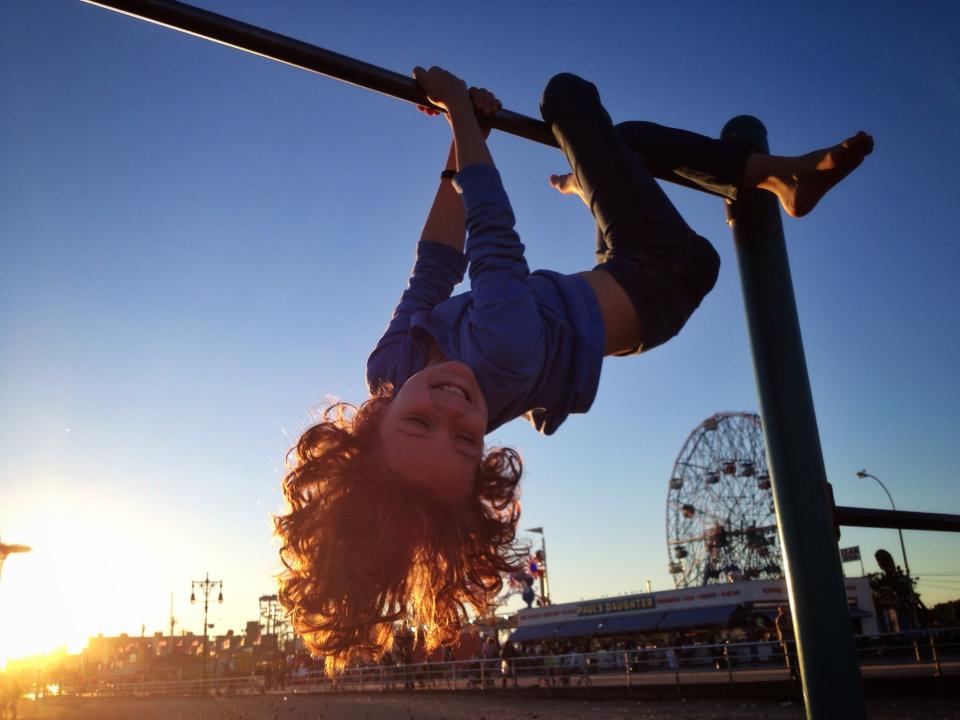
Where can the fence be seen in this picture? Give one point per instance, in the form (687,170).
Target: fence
(249,685)
(929,652)
(921,653)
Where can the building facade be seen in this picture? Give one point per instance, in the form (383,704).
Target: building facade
(733,611)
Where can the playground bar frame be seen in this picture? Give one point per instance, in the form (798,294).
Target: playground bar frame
(895,519)
(274,46)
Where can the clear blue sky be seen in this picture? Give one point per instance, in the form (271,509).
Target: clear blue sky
(199,246)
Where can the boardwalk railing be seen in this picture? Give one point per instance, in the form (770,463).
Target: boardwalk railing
(922,653)
(249,685)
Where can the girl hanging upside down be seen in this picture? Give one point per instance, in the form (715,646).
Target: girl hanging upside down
(397,510)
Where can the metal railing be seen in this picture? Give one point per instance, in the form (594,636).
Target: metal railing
(920,653)
(247,685)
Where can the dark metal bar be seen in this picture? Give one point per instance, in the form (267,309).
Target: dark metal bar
(827,654)
(274,46)
(895,519)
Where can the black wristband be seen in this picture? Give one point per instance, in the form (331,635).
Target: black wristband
(448,174)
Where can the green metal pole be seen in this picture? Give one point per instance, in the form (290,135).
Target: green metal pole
(827,655)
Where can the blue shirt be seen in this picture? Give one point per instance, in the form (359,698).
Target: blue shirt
(533,340)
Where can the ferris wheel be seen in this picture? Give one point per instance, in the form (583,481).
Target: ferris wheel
(721,524)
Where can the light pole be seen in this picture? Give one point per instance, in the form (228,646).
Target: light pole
(903,549)
(206,585)
(544,580)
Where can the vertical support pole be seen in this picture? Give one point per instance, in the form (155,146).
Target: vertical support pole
(626,664)
(937,670)
(827,655)
(728,661)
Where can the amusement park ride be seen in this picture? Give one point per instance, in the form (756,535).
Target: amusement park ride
(721,522)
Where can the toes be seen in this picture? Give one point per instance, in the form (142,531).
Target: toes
(565,184)
(861,142)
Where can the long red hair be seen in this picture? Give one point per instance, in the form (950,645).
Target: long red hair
(362,549)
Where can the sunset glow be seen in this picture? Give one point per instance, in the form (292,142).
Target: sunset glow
(95,567)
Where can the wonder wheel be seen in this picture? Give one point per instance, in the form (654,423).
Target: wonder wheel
(721,524)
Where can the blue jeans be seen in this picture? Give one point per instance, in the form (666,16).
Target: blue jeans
(642,241)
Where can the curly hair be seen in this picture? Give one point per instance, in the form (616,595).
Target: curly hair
(363,549)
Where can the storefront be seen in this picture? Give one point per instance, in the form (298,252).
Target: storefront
(734,611)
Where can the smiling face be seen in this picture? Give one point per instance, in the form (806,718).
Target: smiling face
(431,433)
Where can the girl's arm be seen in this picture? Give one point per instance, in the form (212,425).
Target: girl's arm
(447,91)
(438,268)
(440,262)
(445,222)
(504,318)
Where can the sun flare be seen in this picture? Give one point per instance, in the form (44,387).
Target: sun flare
(93,568)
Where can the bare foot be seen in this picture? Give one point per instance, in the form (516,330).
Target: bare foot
(800,182)
(567,184)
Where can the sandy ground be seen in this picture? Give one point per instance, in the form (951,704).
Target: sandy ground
(451,707)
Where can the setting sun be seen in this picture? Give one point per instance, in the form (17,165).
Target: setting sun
(95,567)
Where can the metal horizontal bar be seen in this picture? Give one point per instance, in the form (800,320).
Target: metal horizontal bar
(274,46)
(897,519)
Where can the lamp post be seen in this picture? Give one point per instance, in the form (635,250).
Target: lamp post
(903,549)
(911,611)
(206,585)
(544,581)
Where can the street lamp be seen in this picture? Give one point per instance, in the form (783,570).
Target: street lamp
(206,585)
(903,549)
